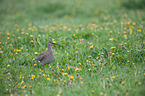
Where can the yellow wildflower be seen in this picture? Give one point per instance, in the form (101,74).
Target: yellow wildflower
(48,79)
(71,77)
(125,36)
(91,47)
(113,47)
(113,76)
(111,39)
(35,64)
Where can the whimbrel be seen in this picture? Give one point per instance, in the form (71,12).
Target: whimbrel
(47,56)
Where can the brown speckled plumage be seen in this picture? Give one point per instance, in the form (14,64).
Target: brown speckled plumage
(47,56)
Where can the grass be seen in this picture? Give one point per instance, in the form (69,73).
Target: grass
(102,48)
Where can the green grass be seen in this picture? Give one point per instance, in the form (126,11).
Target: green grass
(102,47)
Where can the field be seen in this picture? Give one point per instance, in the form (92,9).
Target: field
(101,53)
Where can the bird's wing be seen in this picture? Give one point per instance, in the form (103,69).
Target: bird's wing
(41,56)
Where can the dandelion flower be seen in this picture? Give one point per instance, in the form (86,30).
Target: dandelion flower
(91,47)
(125,36)
(113,76)
(101,93)
(64,73)
(35,64)
(112,47)
(93,91)
(36,52)
(111,39)
(71,77)
(48,79)
(8,33)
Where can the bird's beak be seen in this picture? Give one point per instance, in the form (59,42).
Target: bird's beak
(56,44)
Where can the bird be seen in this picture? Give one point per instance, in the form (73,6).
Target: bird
(47,56)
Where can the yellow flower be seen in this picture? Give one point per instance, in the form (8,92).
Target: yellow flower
(29,28)
(64,73)
(122,82)
(18,30)
(71,77)
(20,76)
(81,82)
(68,67)
(16,25)
(30,24)
(110,84)
(139,30)
(1,51)
(76,69)
(79,63)
(57,95)
(22,82)
(101,93)
(8,34)
(91,47)
(33,76)
(8,65)
(111,39)
(134,23)
(54,42)
(93,91)
(48,79)
(22,33)
(25,86)
(65,27)
(35,64)
(120,44)
(60,92)
(36,52)
(26,33)
(31,35)
(113,47)
(113,76)
(125,43)
(125,36)
(44,75)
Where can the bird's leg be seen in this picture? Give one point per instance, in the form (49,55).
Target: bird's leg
(42,66)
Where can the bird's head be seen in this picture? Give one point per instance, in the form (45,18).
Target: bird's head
(51,42)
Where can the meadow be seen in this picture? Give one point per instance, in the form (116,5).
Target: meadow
(102,47)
